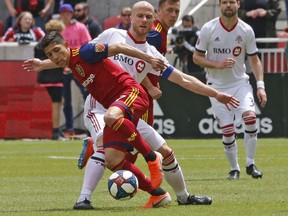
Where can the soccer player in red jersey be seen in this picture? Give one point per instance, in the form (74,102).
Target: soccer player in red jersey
(167,15)
(124,99)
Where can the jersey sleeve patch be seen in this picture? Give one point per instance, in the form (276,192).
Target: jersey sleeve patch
(93,52)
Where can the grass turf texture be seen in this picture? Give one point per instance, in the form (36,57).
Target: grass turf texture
(41,178)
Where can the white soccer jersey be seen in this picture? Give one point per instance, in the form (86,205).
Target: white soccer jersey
(220,44)
(137,68)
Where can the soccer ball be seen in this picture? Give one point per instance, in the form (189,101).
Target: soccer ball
(122,185)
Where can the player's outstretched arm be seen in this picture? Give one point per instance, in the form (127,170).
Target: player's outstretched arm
(195,85)
(156,63)
(37,65)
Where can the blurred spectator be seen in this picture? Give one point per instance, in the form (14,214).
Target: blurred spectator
(58,3)
(184,44)
(261,15)
(52,80)
(81,14)
(38,8)
(125,19)
(23,32)
(76,34)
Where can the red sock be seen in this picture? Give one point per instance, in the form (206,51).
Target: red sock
(144,182)
(131,134)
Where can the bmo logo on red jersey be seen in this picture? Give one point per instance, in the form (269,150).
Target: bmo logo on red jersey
(140,66)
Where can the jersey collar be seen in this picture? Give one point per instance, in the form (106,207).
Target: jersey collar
(228,30)
(135,41)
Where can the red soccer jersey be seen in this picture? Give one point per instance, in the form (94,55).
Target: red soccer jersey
(157,37)
(104,80)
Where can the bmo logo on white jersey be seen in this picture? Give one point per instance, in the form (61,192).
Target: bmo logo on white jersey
(222,50)
(124,58)
(237,51)
(140,66)
(210,125)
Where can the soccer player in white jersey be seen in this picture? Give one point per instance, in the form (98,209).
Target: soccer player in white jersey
(142,19)
(221,49)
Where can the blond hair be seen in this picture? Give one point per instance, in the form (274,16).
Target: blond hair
(54,25)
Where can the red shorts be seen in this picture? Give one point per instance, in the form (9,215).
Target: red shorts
(133,102)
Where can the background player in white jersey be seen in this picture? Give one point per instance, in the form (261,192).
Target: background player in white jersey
(142,19)
(221,49)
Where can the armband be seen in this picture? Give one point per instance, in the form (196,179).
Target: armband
(166,73)
(260,84)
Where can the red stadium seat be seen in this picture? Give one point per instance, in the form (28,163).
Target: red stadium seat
(111,21)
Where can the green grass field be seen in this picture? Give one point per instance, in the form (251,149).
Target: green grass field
(42,178)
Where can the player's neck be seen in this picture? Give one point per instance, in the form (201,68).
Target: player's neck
(229,22)
(136,37)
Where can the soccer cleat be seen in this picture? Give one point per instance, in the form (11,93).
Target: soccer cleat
(86,153)
(233,175)
(158,201)
(83,205)
(197,200)
(252,170)
(155,170)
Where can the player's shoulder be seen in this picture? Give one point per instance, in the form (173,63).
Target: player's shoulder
(244,25)
(214,21)
(115,31)
(211,24)
(151,48)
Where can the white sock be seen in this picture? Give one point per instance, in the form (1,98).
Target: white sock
(93,173)
(174,177)
(250,145)
(231,155)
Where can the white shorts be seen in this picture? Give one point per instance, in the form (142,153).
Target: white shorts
(94,122)
(244,93)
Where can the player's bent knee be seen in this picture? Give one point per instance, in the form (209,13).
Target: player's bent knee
(164,150)
(112,114)
(250,123)
(113,158)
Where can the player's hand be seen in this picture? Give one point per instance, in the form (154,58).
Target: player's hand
(157,63)
(227,63)
(155,92)
(227,99)
(262,97)
(32,65)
